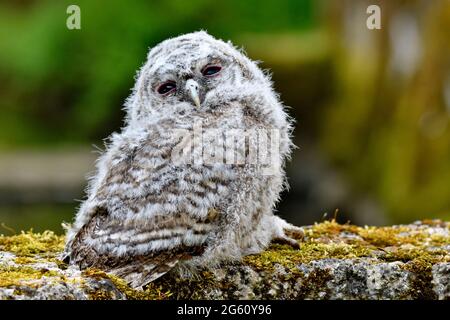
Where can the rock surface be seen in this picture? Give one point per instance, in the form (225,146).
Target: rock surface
(335,261)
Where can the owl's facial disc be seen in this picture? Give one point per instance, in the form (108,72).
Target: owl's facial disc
(177,80)
(192,90)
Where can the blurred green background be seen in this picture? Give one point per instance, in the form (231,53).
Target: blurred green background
(372,106)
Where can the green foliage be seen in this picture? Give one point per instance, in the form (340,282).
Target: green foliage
(389,133)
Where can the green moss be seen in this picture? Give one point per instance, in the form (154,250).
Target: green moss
(309,251)
(29,243)
(422,279)
(325,240)
(152,292)
(400,243)
(418,249)
(24,260)
(16,276)
(379,236)
(188,288)
(29,248)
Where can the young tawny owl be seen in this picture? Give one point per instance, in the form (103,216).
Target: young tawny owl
(193,177)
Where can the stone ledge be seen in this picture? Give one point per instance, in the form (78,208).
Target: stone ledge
(335,261)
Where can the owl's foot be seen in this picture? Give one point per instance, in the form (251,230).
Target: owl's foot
(287,233)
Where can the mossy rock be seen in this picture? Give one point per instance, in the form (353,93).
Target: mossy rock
(335,261)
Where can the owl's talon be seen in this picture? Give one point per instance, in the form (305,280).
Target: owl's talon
(287,240)
(291,236)
(294,232)
(287,233)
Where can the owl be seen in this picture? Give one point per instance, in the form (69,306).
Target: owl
(193,177)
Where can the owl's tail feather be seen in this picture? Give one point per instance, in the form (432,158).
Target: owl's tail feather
(142,270)
(140,273)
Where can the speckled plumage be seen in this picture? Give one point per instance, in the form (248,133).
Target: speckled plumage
(145,212)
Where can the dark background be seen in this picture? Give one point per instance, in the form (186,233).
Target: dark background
(372,106)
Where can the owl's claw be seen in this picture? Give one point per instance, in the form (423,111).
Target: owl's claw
(294,232)
(289,234)
(286,240)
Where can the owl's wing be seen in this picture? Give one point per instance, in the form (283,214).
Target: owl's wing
(139,254)
(144,213)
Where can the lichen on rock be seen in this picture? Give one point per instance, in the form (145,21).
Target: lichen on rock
(335,261)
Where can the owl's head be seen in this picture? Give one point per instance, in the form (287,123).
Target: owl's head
(196,72)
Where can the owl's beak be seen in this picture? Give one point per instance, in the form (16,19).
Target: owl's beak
(192,89)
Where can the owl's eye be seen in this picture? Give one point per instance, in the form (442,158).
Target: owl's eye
(166,87)
(210,71)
